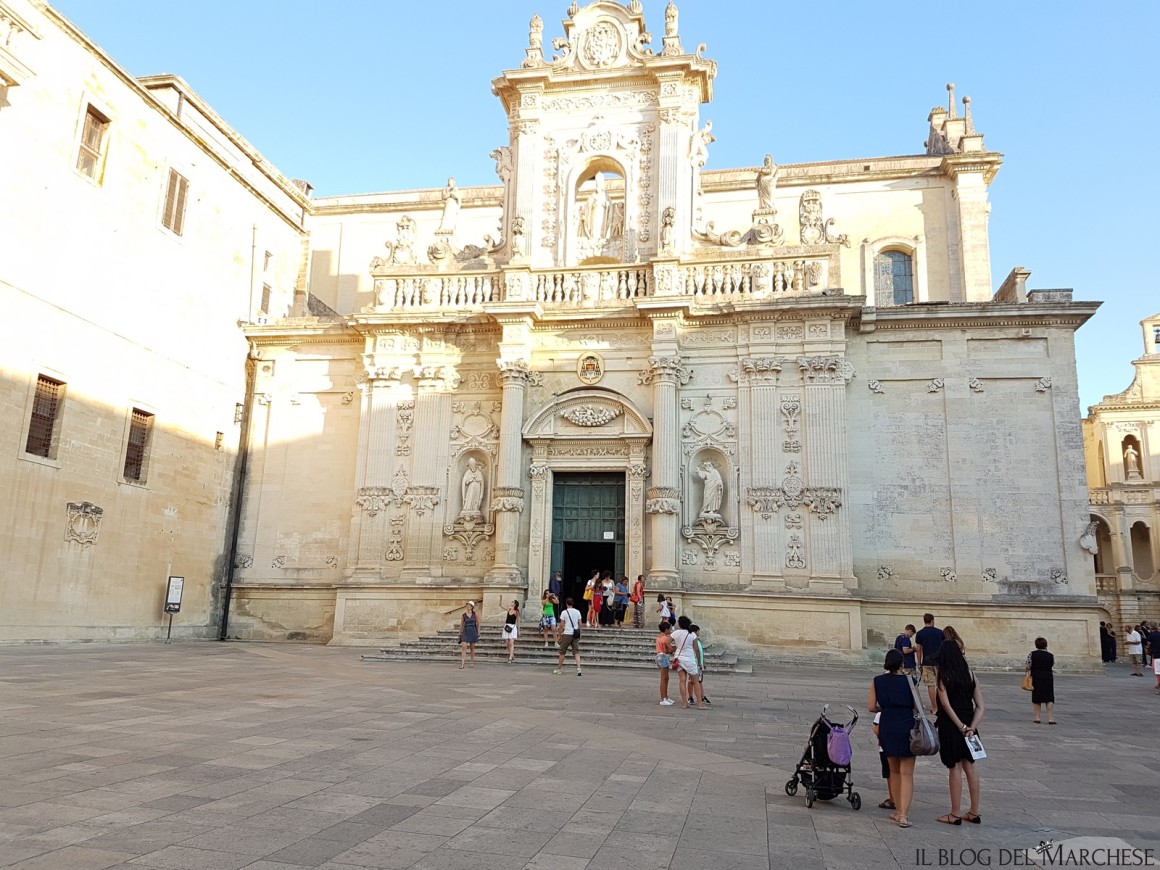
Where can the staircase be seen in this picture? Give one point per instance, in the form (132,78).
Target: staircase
(630,648)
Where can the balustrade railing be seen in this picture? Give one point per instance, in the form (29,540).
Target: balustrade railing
(594,286)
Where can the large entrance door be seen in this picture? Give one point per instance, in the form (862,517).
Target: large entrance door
(587,527)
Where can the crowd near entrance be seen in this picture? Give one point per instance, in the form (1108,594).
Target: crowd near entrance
(587,527)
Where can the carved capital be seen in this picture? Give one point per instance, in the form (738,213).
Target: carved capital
(765,369)
(663,500)
(422,498)
(823,501)
(637,472)
(825,369)
(664,369)
(538,471)
(518,372)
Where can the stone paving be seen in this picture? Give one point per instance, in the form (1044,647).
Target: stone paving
(226,756)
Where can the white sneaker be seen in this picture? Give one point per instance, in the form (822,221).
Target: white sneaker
(666,703)
(556,671)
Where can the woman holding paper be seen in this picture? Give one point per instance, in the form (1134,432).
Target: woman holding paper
(960,710)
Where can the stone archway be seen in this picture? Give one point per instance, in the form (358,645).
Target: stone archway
(593,430)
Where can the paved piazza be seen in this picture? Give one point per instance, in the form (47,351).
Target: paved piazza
(223,756)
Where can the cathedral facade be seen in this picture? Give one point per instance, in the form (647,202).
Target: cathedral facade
(788,395)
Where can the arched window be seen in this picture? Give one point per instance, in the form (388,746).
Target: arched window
(1142,551)
(894,278)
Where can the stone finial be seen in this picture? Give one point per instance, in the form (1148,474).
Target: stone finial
(951,100)
(635,7)
(970,124)
(572,10)
(671,17)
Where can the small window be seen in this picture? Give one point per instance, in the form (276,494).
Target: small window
(894,278)
(175,195)
(137,448)
(266,261)
(266,291)
(44,427)
(92,143)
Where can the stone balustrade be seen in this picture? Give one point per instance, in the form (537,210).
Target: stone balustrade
(424,288)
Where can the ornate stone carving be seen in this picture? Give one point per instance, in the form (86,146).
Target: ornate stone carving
(668,216)
(395,542)
(815,230)
(1043,385)
(732,560)
(758,369)
(535,49)
(823,501)
(688,557)
(710,535)
(665,368)
(589,415)
(469,534)
(422,498)
(825,369)
(373,499)
(990,575)
(1088,539)
(244,560)
(539,470)
(935,385)
(1058,576)
(518,370)
(637,471)
(83,522)
(404,418)
(793,521)
(699,145)
(976,385)
(949,575)
(875,387)
(644,185)
(503,163)
(886,572)
(663,500)
(332,561)
(791,409)
(400,252)
(508,498)
(794,548)
(279,562)
(764,500)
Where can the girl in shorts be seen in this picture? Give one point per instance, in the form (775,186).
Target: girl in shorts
(665,650)
(548,620)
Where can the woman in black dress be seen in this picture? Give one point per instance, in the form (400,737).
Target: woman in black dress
(1039,665)
(890,694)
(960,710)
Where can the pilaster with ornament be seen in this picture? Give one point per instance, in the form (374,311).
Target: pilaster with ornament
(539,539)
(665,374)
(435,382)
(636,475)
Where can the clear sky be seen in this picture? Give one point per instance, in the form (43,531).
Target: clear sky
(359,96)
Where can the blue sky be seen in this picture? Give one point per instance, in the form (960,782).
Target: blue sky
(359,96)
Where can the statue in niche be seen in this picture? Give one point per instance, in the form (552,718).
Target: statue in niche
(594,212)
(699,146)
(711,496)
(766,183)
(450,207)
(471,490)
(518,237)
(668,216)
(1132,462)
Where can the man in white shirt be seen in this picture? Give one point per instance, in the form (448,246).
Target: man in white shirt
(1135,649)
(568,629)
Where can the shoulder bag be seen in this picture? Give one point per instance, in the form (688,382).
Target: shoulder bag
(1027,685)
(923,736)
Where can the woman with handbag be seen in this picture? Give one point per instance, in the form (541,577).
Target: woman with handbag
(685,661)
(1039,667)
(960,710)
(665,650)
(591,589)
(892,694)
(511,629)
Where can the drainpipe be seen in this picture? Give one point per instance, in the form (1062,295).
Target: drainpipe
(237,496)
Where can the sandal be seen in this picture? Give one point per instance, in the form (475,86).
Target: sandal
(950,819)
(887,804)
(1052,722)
(1036,722)
(902,822)
(974,818)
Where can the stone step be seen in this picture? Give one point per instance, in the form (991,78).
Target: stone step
(547,657)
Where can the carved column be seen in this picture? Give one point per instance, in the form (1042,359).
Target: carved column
(759,377)
(526,140)
(539,542)
(634,513)
(831,565)
(377,448)
(508,497)
(422,557)
(665,375)
(674,175)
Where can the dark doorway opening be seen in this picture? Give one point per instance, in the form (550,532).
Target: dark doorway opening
(581,558)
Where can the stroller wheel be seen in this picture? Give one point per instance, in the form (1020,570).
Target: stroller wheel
(791,787)
(810,795)
(856,801)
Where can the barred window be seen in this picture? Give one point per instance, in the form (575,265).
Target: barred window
(137,448)
(173,217)
(92,143)
(894,278)
(266,292)
(43,428)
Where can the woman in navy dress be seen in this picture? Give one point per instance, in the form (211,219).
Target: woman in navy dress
(891,695)
(468,633)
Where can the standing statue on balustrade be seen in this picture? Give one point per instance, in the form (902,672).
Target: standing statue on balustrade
(450,207)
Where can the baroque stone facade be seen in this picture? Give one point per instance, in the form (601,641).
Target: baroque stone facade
(1122,448)
(786,410)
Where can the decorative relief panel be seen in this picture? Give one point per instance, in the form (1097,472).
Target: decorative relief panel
(83,522)
(587,415)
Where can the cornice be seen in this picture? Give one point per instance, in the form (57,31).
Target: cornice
(396,202)
(984,315)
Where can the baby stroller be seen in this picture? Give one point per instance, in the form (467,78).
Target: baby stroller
(825,768)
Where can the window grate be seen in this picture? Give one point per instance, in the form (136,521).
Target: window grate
(140,427)
(92,142)
(894,278)
(266,293)
(175,197)
(45,412)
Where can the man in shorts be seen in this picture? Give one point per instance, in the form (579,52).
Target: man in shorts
(905,645)
(568,629)
(926,647)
